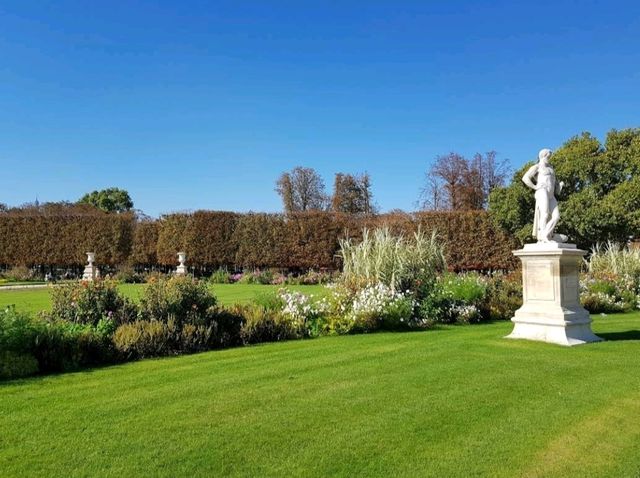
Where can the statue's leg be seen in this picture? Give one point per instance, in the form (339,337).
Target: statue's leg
(542,203)
(555,217)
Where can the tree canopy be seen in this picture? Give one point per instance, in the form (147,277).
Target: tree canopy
(352,194)
(109,200)
(302,189)
(601,197)
(456,183)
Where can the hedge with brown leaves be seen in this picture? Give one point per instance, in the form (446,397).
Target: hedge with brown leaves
(214,239)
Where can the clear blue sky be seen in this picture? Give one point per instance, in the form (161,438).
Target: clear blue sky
(201,104)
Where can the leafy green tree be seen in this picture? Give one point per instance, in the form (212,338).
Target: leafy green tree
(601,197)
(109,200)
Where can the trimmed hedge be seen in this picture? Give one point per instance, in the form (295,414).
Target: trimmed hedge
(63,236)
(214,239)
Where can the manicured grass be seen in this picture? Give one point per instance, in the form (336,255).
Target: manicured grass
(35,300)
(458,401)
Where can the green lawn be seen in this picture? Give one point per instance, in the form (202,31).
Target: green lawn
(34,300)
(458,401)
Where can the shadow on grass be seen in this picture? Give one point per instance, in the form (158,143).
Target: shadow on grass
(626,335)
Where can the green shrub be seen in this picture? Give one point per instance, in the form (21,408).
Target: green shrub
(56,346)
(220,276)
(455,298)
(504,296)
(378,307)
(262,324)
(18,331)
(227,326)
(89,303)
(63,346)
(607,295)
(126,274)
(183,299)
(146,338)
(16,365)
(470,288)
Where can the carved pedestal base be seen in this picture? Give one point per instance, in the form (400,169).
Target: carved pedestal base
(90,273)
(551,311)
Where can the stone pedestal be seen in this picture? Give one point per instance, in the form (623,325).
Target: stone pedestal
(181,270)
(90,270)
(551,310)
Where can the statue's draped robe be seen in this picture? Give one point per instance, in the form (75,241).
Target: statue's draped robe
(549,181)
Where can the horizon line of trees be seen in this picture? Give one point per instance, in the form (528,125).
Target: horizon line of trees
(453,183)
(600,201)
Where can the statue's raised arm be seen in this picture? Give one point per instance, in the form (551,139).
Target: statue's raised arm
(547,213)
(528,177)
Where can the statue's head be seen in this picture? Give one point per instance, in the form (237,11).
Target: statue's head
(544,155)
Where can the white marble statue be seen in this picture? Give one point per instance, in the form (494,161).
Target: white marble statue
(547,213)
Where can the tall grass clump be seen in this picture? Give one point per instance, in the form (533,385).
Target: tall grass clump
(612,281)
(399,262)
(613,260)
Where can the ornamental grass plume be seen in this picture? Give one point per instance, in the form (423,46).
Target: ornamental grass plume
(395,261)
(613,259)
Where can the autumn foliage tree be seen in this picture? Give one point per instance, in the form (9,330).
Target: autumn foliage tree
(352,194)
(460,184)
(302,189)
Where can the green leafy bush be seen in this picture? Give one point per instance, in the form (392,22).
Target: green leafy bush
(371,308)
(63,346)
(18,331)
(607,295)
(220,276)
(146,338)
(504,296)
(89,303)
(55,346)
(16,365)
(264,324)
(612,281)
(126,274)
(455,298)
(183,299)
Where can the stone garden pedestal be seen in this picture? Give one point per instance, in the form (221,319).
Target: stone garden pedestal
(90,270)
(181,270)
(551,310)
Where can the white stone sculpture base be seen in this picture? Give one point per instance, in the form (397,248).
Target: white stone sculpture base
(90,273)
(181,270)
(551,311)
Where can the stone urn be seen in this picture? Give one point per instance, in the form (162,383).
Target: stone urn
(182,268)
(90,270)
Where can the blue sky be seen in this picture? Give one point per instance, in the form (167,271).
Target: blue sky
(200,105)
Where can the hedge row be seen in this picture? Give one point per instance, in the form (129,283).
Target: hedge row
(214,239)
